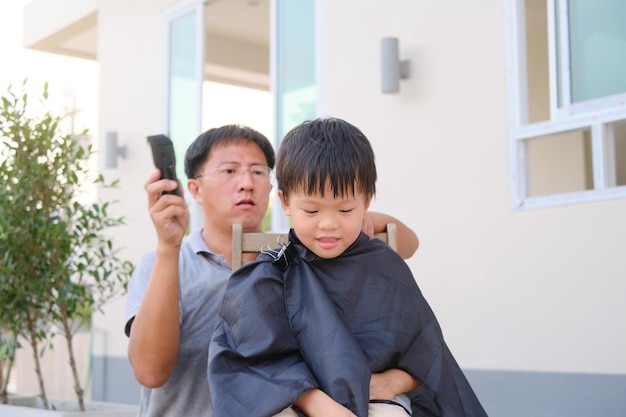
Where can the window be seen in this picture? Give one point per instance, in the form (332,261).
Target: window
(567,95)
(219,73)
(182,83)
(295,74)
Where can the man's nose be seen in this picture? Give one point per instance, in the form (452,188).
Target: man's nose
(246,182)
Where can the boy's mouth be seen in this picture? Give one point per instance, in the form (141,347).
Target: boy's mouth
(328,242)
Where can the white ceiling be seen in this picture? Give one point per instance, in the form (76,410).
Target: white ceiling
(244,20)
(240,20)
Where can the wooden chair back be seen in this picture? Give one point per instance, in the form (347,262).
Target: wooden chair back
(255,242)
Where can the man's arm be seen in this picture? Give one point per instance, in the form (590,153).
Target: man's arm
(374,222)
(155,332)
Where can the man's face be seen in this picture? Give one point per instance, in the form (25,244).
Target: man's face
(233,186)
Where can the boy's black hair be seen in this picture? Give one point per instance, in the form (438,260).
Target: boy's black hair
(326,151)
(198,152)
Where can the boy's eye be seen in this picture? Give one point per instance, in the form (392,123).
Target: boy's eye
(310,211)
(345,211)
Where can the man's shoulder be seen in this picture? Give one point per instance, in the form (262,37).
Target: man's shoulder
(372,249)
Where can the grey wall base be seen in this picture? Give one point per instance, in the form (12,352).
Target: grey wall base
(538,394)
(502,393)
(113,381)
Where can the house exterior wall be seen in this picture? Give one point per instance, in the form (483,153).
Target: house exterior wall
(523,296)
(131,57)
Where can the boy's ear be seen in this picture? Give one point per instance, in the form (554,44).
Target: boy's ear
(284,201)
(368,200)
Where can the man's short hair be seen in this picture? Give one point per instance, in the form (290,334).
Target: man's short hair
(198,152)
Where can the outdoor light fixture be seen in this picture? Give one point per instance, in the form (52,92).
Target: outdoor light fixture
(112,150)
(392,69)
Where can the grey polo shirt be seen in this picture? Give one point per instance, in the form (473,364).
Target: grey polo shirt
(203,276)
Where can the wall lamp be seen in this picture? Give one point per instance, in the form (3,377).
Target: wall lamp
(392,69)
(112,151)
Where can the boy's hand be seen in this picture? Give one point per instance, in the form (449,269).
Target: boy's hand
(386,385)
(381,387)
(316,403)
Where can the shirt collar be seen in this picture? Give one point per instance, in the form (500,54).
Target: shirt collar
(197,243)
(199,246)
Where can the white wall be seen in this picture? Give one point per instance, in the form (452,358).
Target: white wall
(130,96)
(537,290)
(56,373)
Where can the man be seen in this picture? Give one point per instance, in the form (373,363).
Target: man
(176,290)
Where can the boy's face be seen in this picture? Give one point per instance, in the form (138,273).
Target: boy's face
(230,196)
(326,225)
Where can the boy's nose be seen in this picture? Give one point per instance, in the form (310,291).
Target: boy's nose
(327,223)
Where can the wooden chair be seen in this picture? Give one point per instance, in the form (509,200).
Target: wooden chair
(253,242)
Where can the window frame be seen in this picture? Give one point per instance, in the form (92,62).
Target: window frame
(596,115)
(168,16)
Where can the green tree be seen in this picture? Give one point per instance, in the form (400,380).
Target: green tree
(58,264)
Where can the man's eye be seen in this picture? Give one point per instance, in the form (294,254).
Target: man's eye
(260,171)
(229,171)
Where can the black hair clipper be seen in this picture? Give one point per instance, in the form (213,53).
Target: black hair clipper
(164,159)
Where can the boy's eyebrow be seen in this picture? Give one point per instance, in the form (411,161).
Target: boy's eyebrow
(308,198)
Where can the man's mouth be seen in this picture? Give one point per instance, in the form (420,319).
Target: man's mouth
(245,202)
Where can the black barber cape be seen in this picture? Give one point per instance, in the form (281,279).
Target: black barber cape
(300,322)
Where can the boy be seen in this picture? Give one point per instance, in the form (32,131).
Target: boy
(317,322)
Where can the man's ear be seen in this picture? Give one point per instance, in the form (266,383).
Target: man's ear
(284,201)
(194,190)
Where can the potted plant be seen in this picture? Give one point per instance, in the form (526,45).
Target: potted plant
(57,264)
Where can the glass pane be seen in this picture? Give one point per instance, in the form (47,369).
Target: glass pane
(231,104)
(560,163)
(296,88)
(620,159)
(183,114)
(296,91)
(616,154)
(236,87)
(597,48)
(537,66)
